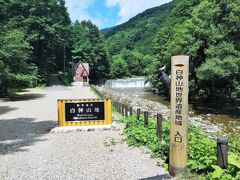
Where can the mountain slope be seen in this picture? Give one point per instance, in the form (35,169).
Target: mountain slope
(137,33)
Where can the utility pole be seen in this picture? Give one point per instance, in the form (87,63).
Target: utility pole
(64,57)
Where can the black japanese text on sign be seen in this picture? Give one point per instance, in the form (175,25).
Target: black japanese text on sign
(84,111)
(178,95)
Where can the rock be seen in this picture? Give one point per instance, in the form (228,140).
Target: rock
(153,108)
(196,119)
(210,131)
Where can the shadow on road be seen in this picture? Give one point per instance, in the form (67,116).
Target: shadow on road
(55,84)
(159,177)
(53,80)
(16,134)
(24,97)
(6,109)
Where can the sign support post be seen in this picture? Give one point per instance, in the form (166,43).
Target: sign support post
(179,114)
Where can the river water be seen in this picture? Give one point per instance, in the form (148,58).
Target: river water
(225,114)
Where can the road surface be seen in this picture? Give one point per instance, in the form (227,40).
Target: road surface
(29,151)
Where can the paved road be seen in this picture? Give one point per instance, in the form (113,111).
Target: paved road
(29,151)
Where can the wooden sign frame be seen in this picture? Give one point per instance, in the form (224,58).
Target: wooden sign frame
(62,121)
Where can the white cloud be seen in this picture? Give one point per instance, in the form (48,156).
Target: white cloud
(78,11)
(130,8)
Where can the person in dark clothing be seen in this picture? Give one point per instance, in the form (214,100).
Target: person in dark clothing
(166,80)
(165,77)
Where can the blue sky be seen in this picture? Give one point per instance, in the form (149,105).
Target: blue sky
(108,13)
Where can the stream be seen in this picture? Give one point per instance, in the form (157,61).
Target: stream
(218,113)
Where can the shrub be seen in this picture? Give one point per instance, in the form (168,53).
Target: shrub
(201,149)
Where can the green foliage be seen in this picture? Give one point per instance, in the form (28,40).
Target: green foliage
(65,77)
(232,172)
(138,135)
(221,67)
(130,63)
(201,149)
(217,172)
(32,34)
(15,72)
(119,68)
(132,40)
(137,63)
(89,47)
(234,160)
(133,60)
(137,33)
(205,31)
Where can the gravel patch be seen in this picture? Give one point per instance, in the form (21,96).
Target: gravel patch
(67,129)
(29,151)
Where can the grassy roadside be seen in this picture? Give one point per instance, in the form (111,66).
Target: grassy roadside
(201,149)
(65,77)
(42,86)
(13,91)
(95,91)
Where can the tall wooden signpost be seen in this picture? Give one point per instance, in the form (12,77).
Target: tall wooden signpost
(179,114)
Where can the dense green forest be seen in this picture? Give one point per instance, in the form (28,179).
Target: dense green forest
(33,36)
(89,47)
(206,30)
(130,44)
(137,33)
(209,32)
